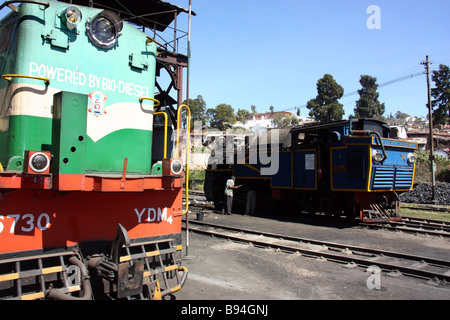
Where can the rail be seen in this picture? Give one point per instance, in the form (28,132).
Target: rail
(156,102)
(381,144)
(187,146)
(150,40)
(165,130)
(370,133)
(414,226)
(182,280)
(10,5)
(8,77)
(353,256)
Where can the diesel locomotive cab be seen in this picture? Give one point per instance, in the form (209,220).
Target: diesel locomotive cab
(83,180)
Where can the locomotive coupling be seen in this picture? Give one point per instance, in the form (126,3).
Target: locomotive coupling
(128,279)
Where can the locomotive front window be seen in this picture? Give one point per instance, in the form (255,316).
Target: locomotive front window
(104,30)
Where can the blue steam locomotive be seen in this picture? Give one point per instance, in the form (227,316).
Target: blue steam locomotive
(351,168)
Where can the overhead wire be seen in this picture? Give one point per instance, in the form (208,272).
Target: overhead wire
(395,80)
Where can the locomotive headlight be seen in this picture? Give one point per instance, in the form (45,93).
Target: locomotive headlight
(176,166)
(377,156)
(411,159)
(103,30)
(72,17)
(39,162)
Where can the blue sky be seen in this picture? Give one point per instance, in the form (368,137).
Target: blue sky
(263,53)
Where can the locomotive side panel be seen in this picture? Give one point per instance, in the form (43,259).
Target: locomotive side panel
(53,220)
(350,168)
(305,169)
(113,79)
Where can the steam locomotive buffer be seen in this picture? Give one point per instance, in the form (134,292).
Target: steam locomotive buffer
(90,200)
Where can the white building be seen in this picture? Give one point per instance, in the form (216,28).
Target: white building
(267,120)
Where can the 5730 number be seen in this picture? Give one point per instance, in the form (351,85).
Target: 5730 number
(27,222)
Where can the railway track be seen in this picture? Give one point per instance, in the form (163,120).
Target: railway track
(409,225)
(394,263)
(414,225)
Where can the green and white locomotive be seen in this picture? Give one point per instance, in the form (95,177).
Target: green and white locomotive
(84,182)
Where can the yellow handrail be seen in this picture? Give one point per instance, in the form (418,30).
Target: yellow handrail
(156,102)
(182,280)
(150,40)
(8,77)
(14,8)
(165,130)
(188,147)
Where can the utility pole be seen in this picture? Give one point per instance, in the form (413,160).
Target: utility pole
(430,116)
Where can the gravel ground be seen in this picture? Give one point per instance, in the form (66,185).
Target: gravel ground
(221,269)
(422,194)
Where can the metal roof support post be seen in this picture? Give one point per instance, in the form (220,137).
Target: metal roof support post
(175,32)
(187,102)
(430,116)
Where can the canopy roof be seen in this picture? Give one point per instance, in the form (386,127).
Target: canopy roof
(153,14)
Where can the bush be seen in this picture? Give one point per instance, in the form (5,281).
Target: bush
(423,174)
(195,174)
(443,175)
(196,179)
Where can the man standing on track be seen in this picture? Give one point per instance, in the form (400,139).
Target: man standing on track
(229,194)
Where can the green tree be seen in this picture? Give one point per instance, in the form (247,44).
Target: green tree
(441,95)
(401,115)
(198,110)
(283,120)
(368,105)
(325,107)
(278,119)
(254,109)
(242,115)
(222,117)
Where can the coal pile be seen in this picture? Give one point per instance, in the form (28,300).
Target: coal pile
(422,194)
